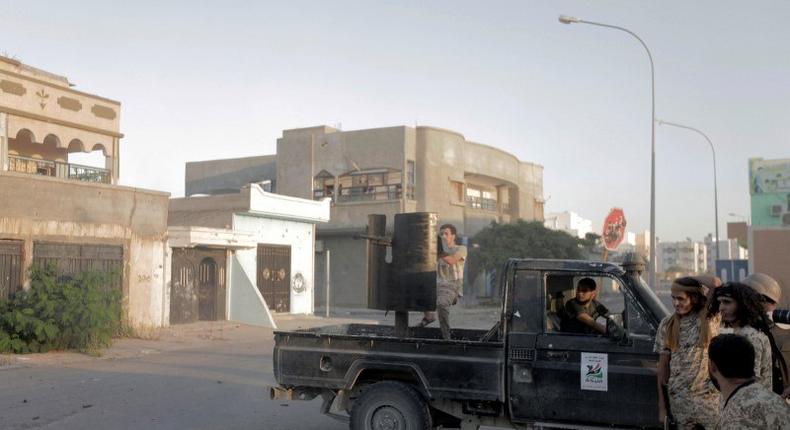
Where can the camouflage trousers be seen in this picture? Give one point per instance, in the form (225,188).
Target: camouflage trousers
(691,409)
(447,294)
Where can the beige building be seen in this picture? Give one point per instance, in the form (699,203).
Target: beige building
(72,215)
(382,171)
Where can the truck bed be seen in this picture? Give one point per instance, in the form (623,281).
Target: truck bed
(334,357)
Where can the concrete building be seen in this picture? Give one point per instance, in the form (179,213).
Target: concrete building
(687,256)
(729,249)
(383,171)
(55,211)
(738,231)
(642,244)
(569,222)
(769,234)
(240,256)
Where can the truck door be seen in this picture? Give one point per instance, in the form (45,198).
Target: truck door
(588,378)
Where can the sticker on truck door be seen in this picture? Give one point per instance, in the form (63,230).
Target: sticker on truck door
(594,372)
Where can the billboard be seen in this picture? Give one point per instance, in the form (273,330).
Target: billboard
(769,186)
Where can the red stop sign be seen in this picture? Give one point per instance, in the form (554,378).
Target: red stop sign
(613,229)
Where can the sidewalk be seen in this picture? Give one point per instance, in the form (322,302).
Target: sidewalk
(174,338)
(203,333)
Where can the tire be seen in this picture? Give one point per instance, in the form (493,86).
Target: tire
(390,406)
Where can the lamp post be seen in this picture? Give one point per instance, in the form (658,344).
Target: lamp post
(733,214)
(715,189)
(653,258)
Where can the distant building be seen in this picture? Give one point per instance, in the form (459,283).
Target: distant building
(738,231)
(382,171)
(642,244)
(569,222)
(687,256)
(729,249)
(769,182)
(769,234)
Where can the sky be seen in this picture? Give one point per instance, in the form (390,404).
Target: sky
(203,80)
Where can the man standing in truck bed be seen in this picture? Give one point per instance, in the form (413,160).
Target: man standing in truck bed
(449,279)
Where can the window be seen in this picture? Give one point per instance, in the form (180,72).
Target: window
(323,185)
(478,198)
(457,192)
(368,185)
(411,179)
(561,289)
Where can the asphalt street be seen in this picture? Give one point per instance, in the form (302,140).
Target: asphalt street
(196,381)
(208,375)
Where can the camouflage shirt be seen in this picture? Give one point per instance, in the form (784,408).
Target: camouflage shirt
(753,406)
(763,368)
(692,398)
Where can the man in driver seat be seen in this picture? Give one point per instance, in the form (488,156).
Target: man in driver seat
(583,310)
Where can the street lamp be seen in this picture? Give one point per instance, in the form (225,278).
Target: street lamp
(652,266)
(733,214)
(715,190)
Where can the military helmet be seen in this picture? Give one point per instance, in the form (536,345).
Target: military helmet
(765,285)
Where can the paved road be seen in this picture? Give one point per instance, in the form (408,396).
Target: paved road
(196,376)
(195,382)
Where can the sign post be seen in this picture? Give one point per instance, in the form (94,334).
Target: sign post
(613,231)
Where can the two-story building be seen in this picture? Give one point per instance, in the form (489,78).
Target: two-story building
(76,216)
(381,171)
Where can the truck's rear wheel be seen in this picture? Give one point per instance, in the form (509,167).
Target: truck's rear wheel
(390,406)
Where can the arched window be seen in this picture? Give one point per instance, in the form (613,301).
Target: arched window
(323,185)
(366,185)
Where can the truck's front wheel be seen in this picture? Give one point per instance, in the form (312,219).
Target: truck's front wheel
(390,405)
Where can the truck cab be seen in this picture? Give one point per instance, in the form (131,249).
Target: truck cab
(524,371)
(579,378)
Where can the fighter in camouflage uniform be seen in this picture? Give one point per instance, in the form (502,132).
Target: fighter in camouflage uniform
(755,407)
(763,371)
(746,404)
(692,398)
(741,311)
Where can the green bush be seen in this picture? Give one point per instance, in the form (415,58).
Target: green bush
(82,312)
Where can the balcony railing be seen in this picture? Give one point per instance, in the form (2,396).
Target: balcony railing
(481,203)
(58,169)
(369,193)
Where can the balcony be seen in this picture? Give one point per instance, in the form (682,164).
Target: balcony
(369,193)
(58,169)
(481,203)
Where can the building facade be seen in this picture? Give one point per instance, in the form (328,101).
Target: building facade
(729,249)
(73,216)
(642,244)
(686,256)
(569,222)
(384,171)
(242,256)
(769,234)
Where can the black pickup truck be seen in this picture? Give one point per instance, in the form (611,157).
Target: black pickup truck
(524,372)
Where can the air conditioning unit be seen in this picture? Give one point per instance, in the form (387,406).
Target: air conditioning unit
(776,210)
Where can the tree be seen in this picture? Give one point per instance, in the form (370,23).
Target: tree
(496,243)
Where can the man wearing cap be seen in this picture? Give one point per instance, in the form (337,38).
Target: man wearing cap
(771,293)
(582,312)
(746,404)
(682,343)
